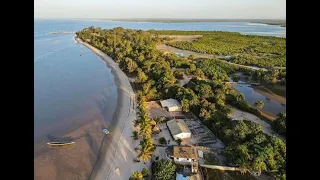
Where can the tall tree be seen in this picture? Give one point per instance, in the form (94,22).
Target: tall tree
(259,104)
(136,176)
(163,169)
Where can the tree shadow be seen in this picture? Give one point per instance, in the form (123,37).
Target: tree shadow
(59,139)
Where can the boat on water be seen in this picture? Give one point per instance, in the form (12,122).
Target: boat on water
(60,143)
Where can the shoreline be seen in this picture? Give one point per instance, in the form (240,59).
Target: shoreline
(269,94)
(117,148)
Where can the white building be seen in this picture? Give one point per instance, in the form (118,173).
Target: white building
(178,129)
(185,155)
(171,105)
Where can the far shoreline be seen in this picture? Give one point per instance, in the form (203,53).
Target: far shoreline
(177,20)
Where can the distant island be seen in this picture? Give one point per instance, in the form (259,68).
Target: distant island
(280,22)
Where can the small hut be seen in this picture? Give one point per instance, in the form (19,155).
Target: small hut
(153,122)
(155,130)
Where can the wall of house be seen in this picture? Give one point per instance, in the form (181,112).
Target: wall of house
(182,160)
(174,108)
(182,136)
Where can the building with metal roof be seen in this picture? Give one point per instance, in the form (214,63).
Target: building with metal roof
(178,129)
(171,105)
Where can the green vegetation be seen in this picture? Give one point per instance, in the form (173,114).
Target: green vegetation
(136,53)
(279,125)
(210,159)
(237,100)
(215,174)
(218,70)
(270,77)
(245,49)
(179,141)
(145,173)
(146,146)
(235,77)
(273,79)
(160,119)
(162,140)
(191,57)
(178,74)
(259,104)
(135,135)
(163,169)
(248,147)
(136,176)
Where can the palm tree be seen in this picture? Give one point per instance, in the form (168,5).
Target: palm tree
(135,135)
(179,141)
(145,128)
(240,98)
(259,104)
(146,149)
(145,155)
(259,165)
(159,120)
(136,175)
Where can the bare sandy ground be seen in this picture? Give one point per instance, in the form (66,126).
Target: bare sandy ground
(117,150)
(186,53)
(241,115)
(269,94)
(71,162)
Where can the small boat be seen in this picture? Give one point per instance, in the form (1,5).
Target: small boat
(60,143)
(105,131)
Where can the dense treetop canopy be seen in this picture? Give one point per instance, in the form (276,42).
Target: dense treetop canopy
(262,51)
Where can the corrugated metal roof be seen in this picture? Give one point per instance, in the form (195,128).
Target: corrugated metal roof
(169,103)
(177,126)
(184,152)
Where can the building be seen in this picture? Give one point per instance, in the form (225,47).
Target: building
(171,105)
(184,155)
(178,129)
(155,130)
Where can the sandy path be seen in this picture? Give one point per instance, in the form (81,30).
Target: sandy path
(117,149)
(241,115)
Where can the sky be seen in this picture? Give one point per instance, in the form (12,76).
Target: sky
(179,9)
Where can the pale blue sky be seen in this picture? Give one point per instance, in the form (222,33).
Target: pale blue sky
(205,9)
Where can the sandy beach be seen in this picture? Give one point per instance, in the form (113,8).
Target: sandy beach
(117,149)
(266,92)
